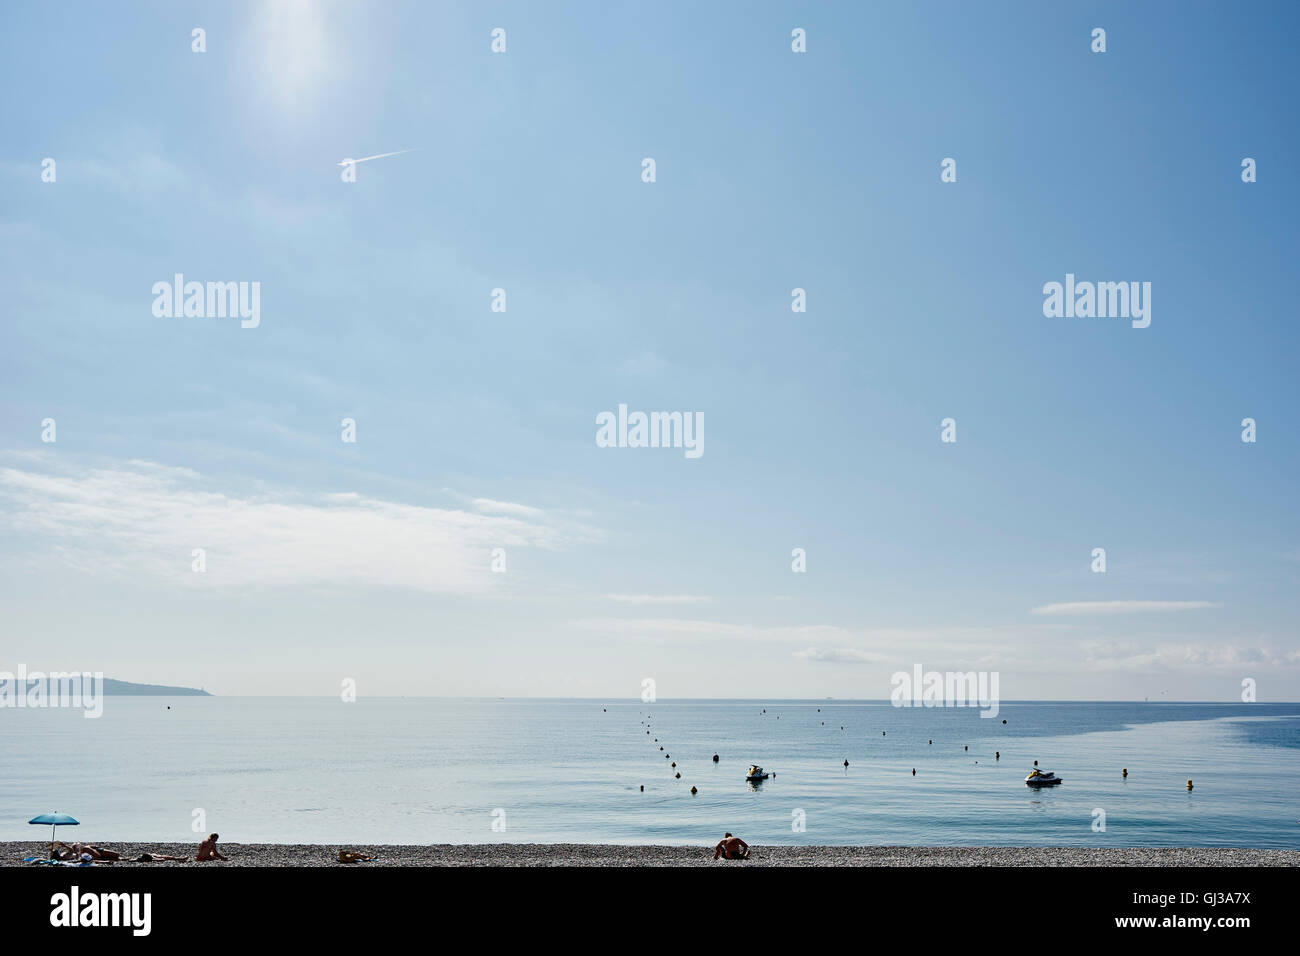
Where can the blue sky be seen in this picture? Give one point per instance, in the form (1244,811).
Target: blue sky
(475,429)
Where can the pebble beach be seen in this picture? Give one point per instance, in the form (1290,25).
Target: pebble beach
(575,854)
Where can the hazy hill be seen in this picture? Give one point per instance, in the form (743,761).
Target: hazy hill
(126,688)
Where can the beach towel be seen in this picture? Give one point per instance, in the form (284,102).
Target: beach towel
(36,860)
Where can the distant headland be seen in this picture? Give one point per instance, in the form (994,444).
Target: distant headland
(126,688)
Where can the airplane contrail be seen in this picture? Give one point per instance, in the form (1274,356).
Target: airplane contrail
(376,156)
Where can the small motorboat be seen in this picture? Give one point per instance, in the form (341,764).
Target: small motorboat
(1041,778)
(756,773)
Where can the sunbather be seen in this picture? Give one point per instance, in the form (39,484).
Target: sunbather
(84,851)
(208,850)
(731,848)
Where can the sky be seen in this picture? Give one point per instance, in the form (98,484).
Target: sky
(774,170)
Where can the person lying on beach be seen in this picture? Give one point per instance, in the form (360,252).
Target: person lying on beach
(731,848)
(352,856)
(208,850)
(82,851)
(160,858)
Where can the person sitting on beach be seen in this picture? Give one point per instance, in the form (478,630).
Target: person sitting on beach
(208,850)
(731,848)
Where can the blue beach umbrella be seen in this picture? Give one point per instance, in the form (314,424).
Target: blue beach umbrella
(55,819)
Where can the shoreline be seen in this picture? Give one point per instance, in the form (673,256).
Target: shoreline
(12,853)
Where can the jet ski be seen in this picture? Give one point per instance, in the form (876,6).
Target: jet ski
(1041,778)
(756,773)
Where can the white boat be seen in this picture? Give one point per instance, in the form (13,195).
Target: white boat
(1041,778)
(756,773)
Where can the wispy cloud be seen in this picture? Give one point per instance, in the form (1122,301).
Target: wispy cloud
(670,628)
(144,519)
(506,507)
(657,598)
(1121,607)
(1128,657)
(841,655)
(366,159)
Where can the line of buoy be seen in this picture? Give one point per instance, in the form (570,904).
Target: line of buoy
(997,755)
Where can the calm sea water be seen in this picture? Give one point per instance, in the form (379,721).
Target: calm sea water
(301,770)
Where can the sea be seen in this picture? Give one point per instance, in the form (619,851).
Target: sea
(426,770)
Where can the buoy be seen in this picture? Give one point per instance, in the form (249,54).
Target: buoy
(1189,785)
(715,758)
(1124,772)
(694,791)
